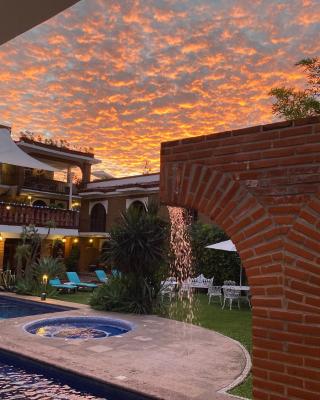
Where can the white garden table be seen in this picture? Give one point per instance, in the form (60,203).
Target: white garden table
(242,288)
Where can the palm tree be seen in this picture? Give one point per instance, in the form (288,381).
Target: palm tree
(138,248)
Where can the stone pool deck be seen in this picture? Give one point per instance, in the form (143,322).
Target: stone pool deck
(166,359)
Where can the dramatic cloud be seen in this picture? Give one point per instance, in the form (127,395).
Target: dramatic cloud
(123,76)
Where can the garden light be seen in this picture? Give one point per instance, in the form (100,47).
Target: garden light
(43,295)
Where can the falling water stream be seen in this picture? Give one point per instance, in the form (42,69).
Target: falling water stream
(181,266)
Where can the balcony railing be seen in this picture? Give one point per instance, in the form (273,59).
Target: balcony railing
(48,185)
(16,214)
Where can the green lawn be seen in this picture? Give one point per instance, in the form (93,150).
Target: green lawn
(235,323)
(81,297)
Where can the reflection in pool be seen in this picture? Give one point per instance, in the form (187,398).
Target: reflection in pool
(25,379)
(16,383)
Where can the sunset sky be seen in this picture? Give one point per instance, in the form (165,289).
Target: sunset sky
(123,76)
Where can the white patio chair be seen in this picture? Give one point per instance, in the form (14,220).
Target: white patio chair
(229,283)
(167,289)
(231,295)
(215,291)
(207,282)
(194,282)
(186,287)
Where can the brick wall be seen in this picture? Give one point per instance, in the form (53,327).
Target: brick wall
(116,206)
(261,185)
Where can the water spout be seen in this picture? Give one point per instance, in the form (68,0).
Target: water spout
(181,266)
(180,243)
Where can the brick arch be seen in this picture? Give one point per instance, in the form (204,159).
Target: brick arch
(228,204)
(261,185)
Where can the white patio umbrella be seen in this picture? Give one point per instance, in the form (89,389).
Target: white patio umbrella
(227,245)
(10,153)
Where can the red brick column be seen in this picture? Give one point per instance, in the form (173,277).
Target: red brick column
(261,185)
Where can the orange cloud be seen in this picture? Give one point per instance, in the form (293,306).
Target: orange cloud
(124,76)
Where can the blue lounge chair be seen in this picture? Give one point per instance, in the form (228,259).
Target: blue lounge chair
(56,283)
(75,280)
(101,275)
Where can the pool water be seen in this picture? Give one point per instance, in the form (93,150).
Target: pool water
(13,308)
(79,327)
(16,383)
(24,379)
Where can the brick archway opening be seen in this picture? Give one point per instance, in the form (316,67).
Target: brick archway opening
(261,185)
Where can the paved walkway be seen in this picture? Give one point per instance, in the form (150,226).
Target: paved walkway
(167,359)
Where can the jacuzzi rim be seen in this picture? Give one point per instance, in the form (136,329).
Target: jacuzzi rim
(130,326)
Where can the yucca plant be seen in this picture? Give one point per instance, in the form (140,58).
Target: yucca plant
(138,248)
(49,266)
(32,285)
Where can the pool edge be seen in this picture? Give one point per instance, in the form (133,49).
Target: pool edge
(80,375)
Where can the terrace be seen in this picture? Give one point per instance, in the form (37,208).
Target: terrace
(22,214)
(47,185)
(155,347)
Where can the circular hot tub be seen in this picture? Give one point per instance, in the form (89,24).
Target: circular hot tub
(79,327)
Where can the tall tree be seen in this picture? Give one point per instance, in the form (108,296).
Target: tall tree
(291,103)
(312,68)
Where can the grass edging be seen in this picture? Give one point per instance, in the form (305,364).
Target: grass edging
(244,374)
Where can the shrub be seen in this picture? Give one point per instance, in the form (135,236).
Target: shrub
(34,288)
(109,296)
(119,294)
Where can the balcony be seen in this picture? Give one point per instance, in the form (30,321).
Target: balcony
(47,185)
(21,214)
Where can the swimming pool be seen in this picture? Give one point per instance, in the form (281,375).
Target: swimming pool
(22,378)
(13,307)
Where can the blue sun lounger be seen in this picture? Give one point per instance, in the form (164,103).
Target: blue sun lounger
(56,283)
(101,275)
(75,280)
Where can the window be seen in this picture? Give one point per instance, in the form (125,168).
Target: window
(98,218)
(138,205)
(39,203)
